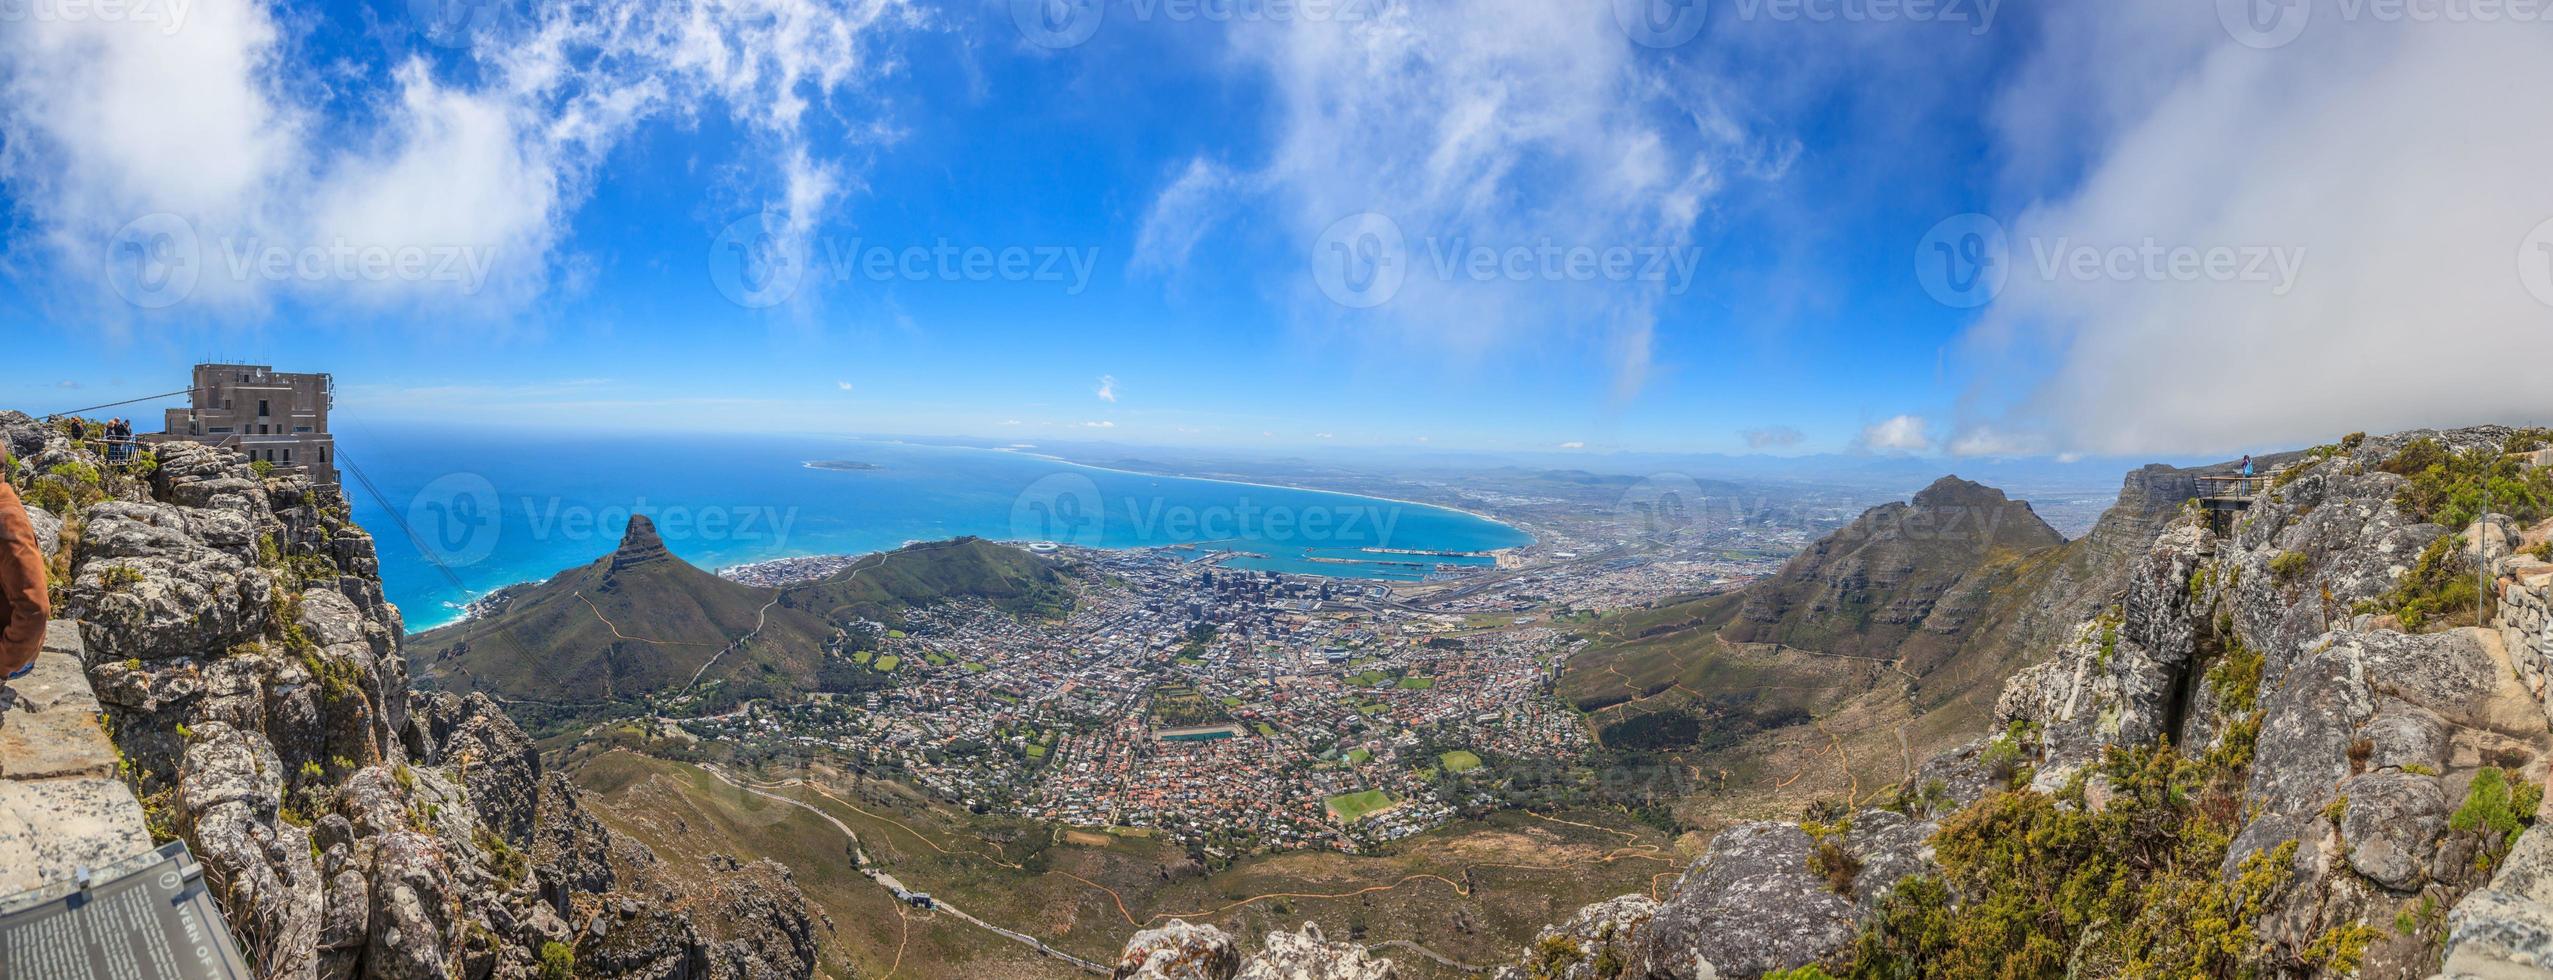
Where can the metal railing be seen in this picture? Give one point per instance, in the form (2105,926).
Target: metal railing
(2232,487)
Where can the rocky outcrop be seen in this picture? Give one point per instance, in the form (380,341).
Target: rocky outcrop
(251,674)
(1184,951)
(2256,632)
(1594,944)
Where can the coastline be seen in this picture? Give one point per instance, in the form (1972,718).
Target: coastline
(477,604)
(1530,540)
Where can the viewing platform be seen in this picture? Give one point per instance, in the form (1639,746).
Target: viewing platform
(2230,492)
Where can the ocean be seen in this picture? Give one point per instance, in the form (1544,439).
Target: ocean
(465,511)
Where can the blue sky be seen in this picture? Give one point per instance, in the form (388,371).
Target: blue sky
(656,216)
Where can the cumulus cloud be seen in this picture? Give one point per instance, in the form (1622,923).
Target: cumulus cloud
(1901,434)
(224,138)
(1573,444)
(1498,124)
(1107,388)
(1103,424)
(844,385)
(2375,151)
(1772,437)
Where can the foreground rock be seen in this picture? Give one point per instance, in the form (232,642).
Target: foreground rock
(1184,951)
(2371,753)
(251,675)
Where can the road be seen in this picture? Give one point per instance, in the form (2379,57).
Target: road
(889,881)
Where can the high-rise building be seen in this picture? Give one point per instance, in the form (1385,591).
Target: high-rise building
(276,417)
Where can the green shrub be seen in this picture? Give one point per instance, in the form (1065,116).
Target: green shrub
(2235,679)
(2439,585)
(2044,884)
(558,961)
(2499,804)
(2287,566)
(1829,860)
(2448,488)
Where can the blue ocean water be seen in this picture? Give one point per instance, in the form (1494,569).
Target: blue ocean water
(471,510)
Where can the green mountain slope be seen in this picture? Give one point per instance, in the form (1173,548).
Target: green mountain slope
(640,623)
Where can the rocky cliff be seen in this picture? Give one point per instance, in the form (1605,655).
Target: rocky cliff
(2275,740)
(251,676)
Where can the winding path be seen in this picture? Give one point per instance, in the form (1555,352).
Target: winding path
(1031,942)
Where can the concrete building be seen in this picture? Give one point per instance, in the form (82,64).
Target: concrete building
(273,416)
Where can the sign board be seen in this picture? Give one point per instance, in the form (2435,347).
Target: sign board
(147,917)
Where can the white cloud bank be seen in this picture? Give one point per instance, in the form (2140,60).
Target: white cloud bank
(220,127)
(1901,434)
(1497,124)
(2405,162)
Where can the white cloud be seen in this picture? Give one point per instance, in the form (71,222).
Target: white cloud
(844,385)
(1573,444)
(1901,434)
(235,129)
(1323,435)
(1107,388)
(1497,123)
(2393,157)
(1988,441)
(1201,196)
(1102,424)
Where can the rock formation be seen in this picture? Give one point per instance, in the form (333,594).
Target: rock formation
(251,676)
(2375,755)
(1185,951)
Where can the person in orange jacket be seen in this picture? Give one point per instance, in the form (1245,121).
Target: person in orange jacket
(25,600)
